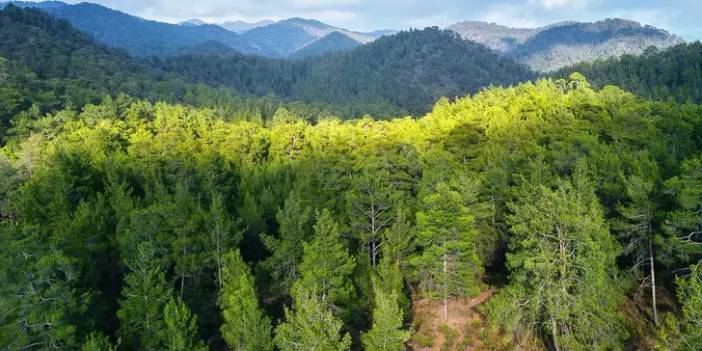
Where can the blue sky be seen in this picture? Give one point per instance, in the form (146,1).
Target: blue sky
(681,17)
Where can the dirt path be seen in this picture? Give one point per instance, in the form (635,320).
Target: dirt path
(461,329)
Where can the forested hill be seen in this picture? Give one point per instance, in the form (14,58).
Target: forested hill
(47,65)
(138,36)
(674,73)
(411,70)
(552,47)
(139,226)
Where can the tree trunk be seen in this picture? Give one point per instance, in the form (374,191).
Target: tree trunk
(653,282)
(553,337)
(445,288)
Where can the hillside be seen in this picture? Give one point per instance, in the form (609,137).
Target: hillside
(563,44)
(143,38)
(47,65)
(332,42)
(224,232)
(138,36)
(242,26)
(410,70)
(284,38)
(674,73)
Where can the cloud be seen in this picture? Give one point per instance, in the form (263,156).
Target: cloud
(555,4)
(677,16)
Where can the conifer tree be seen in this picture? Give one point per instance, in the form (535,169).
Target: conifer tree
(97,342)
(326,264)
(180,332)
(145,295)
(563,278)
(386,333)
(245,327)
(448,265)
(637,233)
(310,326)
(295,226)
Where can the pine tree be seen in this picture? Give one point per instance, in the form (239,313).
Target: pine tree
(145,295)
(221,237)
(245,327)
(563,278)
(295,226)
(448,265)
(387,333)
(97,342)
(637,232)
(326,264)
(310,326)
(684,223)
(690,296)
(39,305)
(180,332)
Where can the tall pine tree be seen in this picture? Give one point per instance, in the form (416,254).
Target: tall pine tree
(245,327)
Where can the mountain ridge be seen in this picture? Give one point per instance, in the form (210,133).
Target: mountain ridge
(555,46)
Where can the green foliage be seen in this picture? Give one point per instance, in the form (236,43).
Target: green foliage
(326,266)
(180,333)
(674,73)
(245,327)
(97,342)
(403,73)
(684,244)
(145,295)
(563,282)
(310,326)
(448,265)
(39,305)
(387,333)
(114,209)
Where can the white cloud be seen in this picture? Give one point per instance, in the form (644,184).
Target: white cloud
(677,16)
(556,4)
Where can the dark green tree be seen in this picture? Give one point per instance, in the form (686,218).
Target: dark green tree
(245,326)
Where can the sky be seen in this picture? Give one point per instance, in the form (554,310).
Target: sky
(680,17)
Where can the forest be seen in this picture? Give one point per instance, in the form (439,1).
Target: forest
(142,209)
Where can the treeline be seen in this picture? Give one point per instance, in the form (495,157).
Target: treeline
(46,66)
(673,74)
(409,70)
(166,227)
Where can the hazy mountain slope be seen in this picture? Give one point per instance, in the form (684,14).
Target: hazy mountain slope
(193,22)
(674,73)
(333,42)
(283,38)
(138,36)
(559,45)
(410,70)
(242,26)
(500,38)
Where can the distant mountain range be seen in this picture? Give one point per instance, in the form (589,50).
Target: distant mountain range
(141,37)
(234,26)
(542,49)
(564,44)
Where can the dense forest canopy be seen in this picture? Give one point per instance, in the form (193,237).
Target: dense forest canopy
(674,73)
(129,213)
(140,210)
(410,70)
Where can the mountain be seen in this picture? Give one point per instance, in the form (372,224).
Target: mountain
(241,26)
(563,44)
(193,22)
(409,70)
(141,37)
(284,38)
(671,74)
(138,36)
(332,42)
